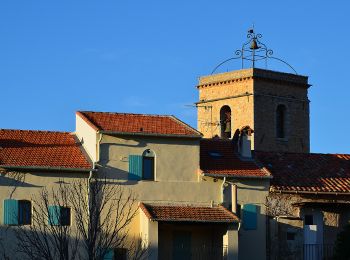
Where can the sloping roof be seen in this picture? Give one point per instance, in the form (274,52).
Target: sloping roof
(42,149)
(140,124)
(216,214)
(307,172)
(217,157)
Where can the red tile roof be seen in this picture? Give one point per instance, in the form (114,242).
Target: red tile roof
(216,214)
(228,163)
(138,124)
(303,172)
(23,148)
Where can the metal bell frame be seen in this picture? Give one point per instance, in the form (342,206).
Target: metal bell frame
(253,50)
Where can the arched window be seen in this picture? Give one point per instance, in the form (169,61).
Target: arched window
(148,162)
(225,122)
(281,112)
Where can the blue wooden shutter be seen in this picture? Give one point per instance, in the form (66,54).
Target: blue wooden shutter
(54,214)
(109,254)
(10,212)
(135,167)
(249,217)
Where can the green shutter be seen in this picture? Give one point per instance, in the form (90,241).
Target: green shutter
(10,212)
(54,214)
(135,167)
(109,254)
(249,217)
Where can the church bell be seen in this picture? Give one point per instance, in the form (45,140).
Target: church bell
(254,45)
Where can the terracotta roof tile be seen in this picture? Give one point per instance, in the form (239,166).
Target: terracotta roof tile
(20,148)
(217,157)
(138,124)
(310,172)
(216,214)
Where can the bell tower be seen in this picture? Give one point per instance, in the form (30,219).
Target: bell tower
(274,104)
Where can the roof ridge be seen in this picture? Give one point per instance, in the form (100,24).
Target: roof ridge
(35,131)
(125,113)
(276,152)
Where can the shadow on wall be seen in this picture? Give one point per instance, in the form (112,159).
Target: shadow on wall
(130,248)
(10,182)
(286,238)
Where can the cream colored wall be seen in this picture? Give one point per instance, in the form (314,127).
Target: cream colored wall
(176,159)
(30,190)
(250,191)
(253,191)
(88,136)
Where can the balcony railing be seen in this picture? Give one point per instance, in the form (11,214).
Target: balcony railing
(318,251)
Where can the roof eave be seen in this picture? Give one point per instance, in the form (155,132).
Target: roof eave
(237,176)
(149,134)
(336,193)
(48,168)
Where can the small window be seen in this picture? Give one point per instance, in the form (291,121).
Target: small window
(24,212)
(118,254)
(308,220)
(59,216)
(290,236)
(215,154)
(281,121)
(148,164)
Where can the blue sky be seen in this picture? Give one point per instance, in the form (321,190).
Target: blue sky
(57,57)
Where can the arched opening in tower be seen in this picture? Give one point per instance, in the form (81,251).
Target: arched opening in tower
(225,122)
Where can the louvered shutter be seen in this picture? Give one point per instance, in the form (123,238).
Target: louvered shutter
(135,167)
(10,212)
(109,254)
(54,214)
(249,217)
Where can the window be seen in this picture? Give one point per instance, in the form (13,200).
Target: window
(148,165)
(118,253)
(58,216)
(308,220)
(290,236)
(142,167)
(17,212)
(225,122)
(281,121)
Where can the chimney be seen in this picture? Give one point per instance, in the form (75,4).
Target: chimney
(245,143)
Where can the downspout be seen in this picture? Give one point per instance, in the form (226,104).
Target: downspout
(222,189)
(91,173)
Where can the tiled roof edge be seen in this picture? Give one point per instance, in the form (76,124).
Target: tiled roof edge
(186,125)
(237,176)
(82,116)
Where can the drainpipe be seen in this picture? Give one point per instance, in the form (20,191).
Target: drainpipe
(98,148)
(222,189)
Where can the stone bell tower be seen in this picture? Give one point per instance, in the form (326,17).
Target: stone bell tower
(274,104)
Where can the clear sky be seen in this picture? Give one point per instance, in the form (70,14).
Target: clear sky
(57,57)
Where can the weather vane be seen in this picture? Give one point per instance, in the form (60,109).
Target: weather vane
(253,51)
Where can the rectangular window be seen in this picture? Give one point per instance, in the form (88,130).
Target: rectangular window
(290,236)
(148,168)
(309,220)
(24,212)
(58,216)
(17,212)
